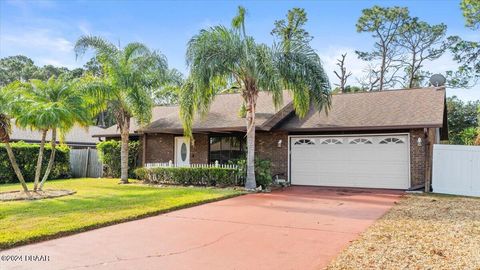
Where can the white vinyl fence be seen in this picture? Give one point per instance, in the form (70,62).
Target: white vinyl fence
(456,169)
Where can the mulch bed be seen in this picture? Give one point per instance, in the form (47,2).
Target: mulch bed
(44,194)
(420,232)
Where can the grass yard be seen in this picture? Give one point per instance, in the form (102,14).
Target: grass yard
(420,232)
(98,202)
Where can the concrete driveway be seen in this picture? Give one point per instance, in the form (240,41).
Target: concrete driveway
(298,228)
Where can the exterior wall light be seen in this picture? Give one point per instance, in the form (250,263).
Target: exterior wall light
(279,144)
(419,142)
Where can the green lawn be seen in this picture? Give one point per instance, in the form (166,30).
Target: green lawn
(98,202)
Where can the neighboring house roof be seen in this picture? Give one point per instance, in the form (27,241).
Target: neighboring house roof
(389,109)
(158,112)
(76,136)
(392,109)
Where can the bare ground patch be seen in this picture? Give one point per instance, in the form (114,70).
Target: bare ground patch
(38,195)
(420,232)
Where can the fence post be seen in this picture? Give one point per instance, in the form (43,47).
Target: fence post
(170,163)
(87,160)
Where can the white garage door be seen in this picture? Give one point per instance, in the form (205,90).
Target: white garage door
(350,161)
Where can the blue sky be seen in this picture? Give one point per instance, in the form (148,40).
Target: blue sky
(47,30)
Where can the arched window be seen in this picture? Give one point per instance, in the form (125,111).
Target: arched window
(331,141)
(360,141)
(304,142)
(391,141)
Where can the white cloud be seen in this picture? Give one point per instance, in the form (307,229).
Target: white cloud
(51,47)
(84,27)
(38,38)
(441,65)
(352,63)
(53,62)
(356,66)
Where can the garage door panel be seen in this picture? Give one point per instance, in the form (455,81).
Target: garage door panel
(373,161)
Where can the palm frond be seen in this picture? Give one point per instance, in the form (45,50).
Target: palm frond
(302,73)
(102,47)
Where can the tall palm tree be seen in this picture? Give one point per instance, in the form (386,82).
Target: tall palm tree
(55,105)
(221,58)
(7,100)
(129,76)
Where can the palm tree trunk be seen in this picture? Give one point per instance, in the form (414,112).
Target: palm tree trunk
(52,159)
(124,130)
(38,169)
(13,161)
(250,183)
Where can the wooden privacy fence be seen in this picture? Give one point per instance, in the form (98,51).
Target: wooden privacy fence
(456,169)
(85,163)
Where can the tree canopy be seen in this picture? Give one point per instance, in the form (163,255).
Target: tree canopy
(128,78)
(384,24)
(461,116)
(222,58)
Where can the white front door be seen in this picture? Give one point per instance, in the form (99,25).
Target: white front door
(351,161)
(182,151)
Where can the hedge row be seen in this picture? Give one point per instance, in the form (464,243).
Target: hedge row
(109,154)
(189,176)
(26,155)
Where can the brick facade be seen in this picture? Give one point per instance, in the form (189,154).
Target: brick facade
(160,148)
(266,147)
(199,150)
(417,157)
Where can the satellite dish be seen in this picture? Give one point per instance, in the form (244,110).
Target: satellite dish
(437,80)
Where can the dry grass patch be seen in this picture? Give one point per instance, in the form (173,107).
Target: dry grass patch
(420,232)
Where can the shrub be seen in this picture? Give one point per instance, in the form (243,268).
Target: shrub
(26,155)
(469,135)
(188,176)
(109,155)
(263,171)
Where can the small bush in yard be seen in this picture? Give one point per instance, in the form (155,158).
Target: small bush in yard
(263,171)
(26,155)
(188,176)
(109,154)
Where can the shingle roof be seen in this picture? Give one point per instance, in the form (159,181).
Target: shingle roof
(223,115)
(376,110)
(422,107)
(77,135)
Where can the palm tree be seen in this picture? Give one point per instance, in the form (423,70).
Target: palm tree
(129,76)
(221,58)
(7,101)
(54,105)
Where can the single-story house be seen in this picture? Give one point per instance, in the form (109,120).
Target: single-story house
(374,139)
(77,137)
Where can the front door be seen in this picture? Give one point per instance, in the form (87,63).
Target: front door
(182,151)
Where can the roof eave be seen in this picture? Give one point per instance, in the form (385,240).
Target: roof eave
(436,125)
(113,135)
